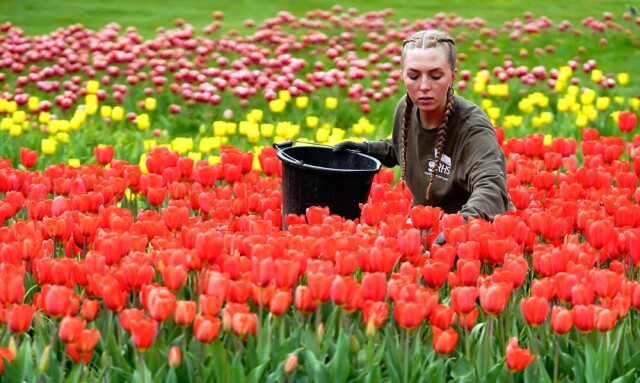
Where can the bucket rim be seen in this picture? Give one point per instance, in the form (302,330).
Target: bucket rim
(288,160)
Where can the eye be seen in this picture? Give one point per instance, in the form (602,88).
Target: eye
(436,78)
(414,77)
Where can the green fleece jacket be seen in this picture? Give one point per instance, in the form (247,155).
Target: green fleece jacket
(471,178)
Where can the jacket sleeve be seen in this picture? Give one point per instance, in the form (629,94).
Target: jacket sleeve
(486,174)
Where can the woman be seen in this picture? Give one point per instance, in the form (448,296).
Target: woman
(446,145)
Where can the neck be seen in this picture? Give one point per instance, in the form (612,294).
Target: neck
(430,121)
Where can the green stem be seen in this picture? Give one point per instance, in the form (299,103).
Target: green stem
(406,356)
(556,359)
(466,340)
(487,345)
(141,366)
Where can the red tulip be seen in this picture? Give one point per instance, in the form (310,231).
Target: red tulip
(304,300)
(374,313)
(408,314)
(175,357)
(104,154)
(28,157)
(57,301)
(128,316)
(534,310)
(160,303)
(463,299)
(143,332)
(70,329)
(434,273)
(174,277)
(468,271)
(243,324)
(374,286)
(280,302)
(584,317)
(90,309)
(7,354)
(607,283)
(20,318)
(517,358)
(605,319)
(175,217)
(441,316)
(206,328)
(87,341)
(184,313)
(444,340)
(425,217)
(627,121)
(494,297)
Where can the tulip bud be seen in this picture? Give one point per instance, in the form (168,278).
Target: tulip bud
(13,347)
(320,332)
(291,364)
(355,345)
(175,357)
(371,329)
(44,360)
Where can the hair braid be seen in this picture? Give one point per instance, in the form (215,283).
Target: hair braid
(442,136)
(406,123)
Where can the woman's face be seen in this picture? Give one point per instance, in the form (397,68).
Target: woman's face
(427,76)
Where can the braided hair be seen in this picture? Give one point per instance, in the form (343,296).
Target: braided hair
(423,40)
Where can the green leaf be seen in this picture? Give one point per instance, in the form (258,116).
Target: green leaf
(497,373)
(339,365)
(22,365)
(626,378)
(462,368)
(317,370)
(236,372)
(171,376)
(74,375)
(374,375)
(256,375)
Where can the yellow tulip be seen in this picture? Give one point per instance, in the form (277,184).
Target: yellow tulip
(302,102)
(117,114)
(195,156)
(277,105)
(48,145)
(603,103)
(596,75)
(92,86)
(634,103)
(6,123)
(266,130)
(581,120)
(536,121)
(284,95)
(253,133)
(149,144)
(12,106)
(244,126)
(573,90)
(287,129)
(623,78)
(588,96)
(91,109)
(182,145)
(62,137)
(142,121)
(232,128)
(311,121)
(75,123)
(322,135)
(219,128)
(331,103)
(255,115)
(74,162)
(486,103)
(525,106)
(143,163)
(493,113)
(3,105)
(546,117)
(150,103)
(479,86)
(44,117)
(33,103)
(15,130)
(548,140)
(213,160)
(105,111)
(19,116)
(91,99)
(619,100)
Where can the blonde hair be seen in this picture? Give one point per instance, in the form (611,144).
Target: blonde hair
(424,40)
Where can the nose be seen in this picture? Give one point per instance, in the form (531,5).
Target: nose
(424,84)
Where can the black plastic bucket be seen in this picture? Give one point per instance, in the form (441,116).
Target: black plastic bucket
(317,176)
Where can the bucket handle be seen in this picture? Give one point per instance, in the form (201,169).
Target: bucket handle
(280,146)
(289,143)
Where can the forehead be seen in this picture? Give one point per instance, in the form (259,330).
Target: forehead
(426,59)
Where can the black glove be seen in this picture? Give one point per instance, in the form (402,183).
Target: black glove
(362,147)
(439,240)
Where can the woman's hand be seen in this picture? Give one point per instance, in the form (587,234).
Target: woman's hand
(362,147)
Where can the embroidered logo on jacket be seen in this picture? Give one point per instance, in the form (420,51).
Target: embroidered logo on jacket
(444,168)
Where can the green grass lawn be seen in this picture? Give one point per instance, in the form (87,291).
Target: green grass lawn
(41,17)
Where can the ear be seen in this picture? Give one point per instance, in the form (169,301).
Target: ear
(454,75)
